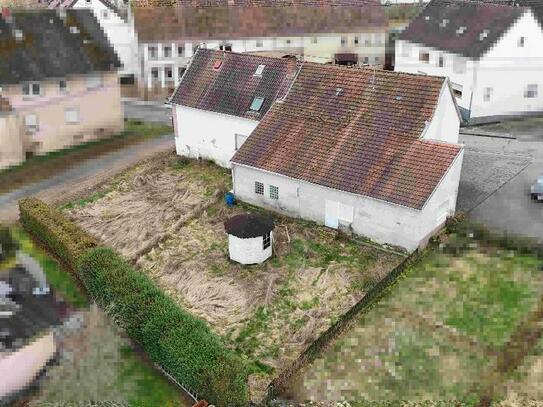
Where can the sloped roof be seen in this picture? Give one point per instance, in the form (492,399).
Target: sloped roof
(232,88)
(249,225)
(355,130)
(205,23)
(535,5)
(244,3)
(483,25)
(49,49)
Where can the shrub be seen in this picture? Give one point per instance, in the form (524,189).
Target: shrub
(8,246)
(181,343)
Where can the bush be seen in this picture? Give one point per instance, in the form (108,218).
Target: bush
(8,246)
(182,344)
(62,237)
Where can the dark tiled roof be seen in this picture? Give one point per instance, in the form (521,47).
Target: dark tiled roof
(355,130)
(245,3)
(535,5)
(48,49)
(232,88)
(249,225)
(484,24)
(192,23)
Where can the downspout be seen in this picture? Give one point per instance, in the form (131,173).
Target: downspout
(474,85)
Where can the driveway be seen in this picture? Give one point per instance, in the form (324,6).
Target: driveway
(495,183)
(147,111)
(74,181)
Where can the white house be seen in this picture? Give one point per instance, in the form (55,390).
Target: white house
(114,18)
(367,150)
(169,36)
(491,52)
(222,98)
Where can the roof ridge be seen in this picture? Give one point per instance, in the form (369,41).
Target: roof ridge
(244,54)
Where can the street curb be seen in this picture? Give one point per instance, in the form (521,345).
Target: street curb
(489,135)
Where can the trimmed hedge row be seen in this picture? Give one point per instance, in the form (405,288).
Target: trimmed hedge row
(182,344)
(64,238)
(176,340)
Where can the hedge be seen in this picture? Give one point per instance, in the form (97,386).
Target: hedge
(8,245)
(62,237)
(183,345)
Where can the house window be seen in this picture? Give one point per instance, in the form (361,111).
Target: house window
(257,104)
(521,42)
(274,192)
(424,57)
(377,60)
(180,51)
(105,14)
(168,72)
(239,140)
(287,41)
(266,241)
(63,85)
(225,47)
(366,60)
(343,40)
(154,73)
(259,188)
(259,70)
(153,52)
(314,40)
(487,94)
(31,89)
(356,41)
(530,91)
(71,115)
(94,81)
(441,61)
(31,123)
(259,43)
(167,51)
(457,93)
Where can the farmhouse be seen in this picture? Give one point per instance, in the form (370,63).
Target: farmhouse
(491,52)
(222,98)
(58,82)
(366,150)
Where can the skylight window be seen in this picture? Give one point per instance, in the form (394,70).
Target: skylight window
(427,18)
(338,91)
(259,70)
(483,35)
(461,30)
(257,104)
(217,65)
(444,23)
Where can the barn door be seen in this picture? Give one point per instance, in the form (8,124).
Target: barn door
(331,214)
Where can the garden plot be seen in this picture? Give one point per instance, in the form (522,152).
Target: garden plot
(436,336)
(267,313)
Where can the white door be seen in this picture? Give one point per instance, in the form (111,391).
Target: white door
(331,214)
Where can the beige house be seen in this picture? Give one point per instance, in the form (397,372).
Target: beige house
(63,97)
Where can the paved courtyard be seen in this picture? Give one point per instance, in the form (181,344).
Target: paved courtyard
(495,183)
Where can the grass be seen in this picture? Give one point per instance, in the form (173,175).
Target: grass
(41,167)
(60,279)
(435,335)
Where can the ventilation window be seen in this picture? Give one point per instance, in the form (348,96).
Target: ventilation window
(274,192)
(266,242)
(259,188)
(259,70)
(257,104)
(217,65)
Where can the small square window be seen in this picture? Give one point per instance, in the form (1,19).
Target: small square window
(424,57)
(71,115)
(314,40)
(105,14)
(257,104)
(266,241)
(287,41)
(487,94)
(274,192)
(530,91)
(355,40)
(180,51)
(259,188)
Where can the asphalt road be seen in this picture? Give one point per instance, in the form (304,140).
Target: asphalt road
(495,183)
(147,111)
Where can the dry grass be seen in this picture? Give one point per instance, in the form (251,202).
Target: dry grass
(268,313)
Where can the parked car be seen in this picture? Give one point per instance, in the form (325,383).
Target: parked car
(536,190)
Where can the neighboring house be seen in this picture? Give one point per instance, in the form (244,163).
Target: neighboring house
(169,36)
(222,98)
(58,80)
(371,151)
(29,312)
(118,27)
(492,54)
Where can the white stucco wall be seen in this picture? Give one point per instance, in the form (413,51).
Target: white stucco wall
(208,135)
(249,251)
(18,369)
(380,221)
(445,124)
(506,68)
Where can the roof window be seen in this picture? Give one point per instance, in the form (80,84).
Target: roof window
(259,70)
(444,23)
(217,65)
(339,91)
(257,104)
(461,30)
(427,18)
(483,35)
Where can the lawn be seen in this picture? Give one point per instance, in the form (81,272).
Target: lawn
(40,167)
(267,313)
(97,363)
(435,336)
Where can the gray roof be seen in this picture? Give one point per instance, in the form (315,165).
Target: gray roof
(50,47)
(467,28)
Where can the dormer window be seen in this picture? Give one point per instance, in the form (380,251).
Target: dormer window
(461,30)
(483,35)
(259,70)
(444,23)
(257,104)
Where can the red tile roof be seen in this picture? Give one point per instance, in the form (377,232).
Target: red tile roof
(355,130)
(232,87)
(215,23)
(245,3)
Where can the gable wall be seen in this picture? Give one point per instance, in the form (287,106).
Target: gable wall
(11,140)
(445,124)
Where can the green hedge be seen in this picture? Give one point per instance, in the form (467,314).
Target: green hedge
(62,237)
(8,245)
(182,344)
